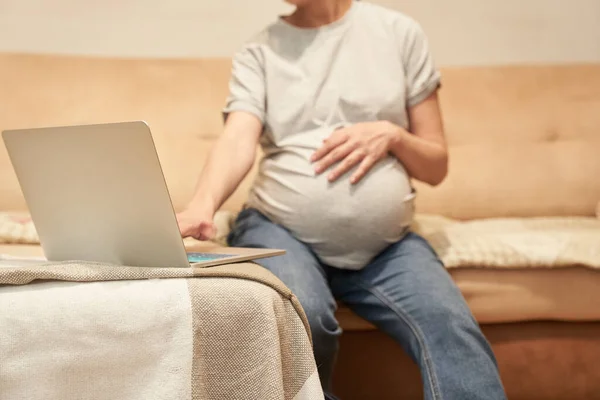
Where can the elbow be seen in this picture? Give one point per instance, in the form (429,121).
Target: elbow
(439,172)
(437,180)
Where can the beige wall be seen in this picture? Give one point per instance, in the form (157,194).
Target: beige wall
(461,31)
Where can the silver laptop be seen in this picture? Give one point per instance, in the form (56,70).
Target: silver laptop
(97,193)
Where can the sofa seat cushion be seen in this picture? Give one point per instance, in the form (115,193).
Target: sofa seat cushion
(518,295)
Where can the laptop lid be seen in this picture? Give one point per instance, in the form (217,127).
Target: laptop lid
(97,193)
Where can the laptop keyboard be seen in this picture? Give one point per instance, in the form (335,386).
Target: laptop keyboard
(200,257)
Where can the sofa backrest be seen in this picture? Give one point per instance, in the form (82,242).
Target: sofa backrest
(524,141)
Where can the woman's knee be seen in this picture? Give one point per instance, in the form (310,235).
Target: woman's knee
(446,317)
(321,318)
(324,332)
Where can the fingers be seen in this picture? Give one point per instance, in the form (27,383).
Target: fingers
(184,228)
(335,155)
(207,231)
(336,139)
(199,231)
(349,162)
(187,231)
(364,167)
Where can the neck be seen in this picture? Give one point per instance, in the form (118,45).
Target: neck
(320,12)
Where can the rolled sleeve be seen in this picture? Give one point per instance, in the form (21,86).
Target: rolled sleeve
(247,84)
(422,77)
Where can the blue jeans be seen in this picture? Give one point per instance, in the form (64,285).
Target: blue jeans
(405,291)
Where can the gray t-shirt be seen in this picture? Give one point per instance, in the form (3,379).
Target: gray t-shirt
(303,84)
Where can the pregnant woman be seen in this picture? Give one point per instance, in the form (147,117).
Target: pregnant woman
(342,97)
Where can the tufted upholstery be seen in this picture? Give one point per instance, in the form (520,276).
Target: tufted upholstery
(524,141)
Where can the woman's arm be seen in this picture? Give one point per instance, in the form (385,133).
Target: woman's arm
(423,150)
(228,163)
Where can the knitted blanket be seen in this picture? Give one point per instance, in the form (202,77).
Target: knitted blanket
(550,242)
(93,331)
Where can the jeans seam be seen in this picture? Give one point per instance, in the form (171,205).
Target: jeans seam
(433,381)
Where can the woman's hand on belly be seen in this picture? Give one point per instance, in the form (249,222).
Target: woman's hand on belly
(362,144)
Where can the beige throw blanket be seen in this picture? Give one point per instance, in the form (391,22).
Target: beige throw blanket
(93,331)
(553,242)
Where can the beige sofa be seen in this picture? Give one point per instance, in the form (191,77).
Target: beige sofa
(524,143)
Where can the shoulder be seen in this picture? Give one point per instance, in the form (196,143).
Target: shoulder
(260,38)
(263,40)
(252,49)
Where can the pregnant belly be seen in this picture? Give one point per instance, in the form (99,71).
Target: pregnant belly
(345,225)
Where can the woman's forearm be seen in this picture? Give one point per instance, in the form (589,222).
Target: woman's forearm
(424,160)
(228,163)
(225,168)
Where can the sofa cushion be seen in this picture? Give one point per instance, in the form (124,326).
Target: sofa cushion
(181,100)
(523,140)
(518,295)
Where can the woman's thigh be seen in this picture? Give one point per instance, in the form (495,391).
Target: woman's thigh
(299,269)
